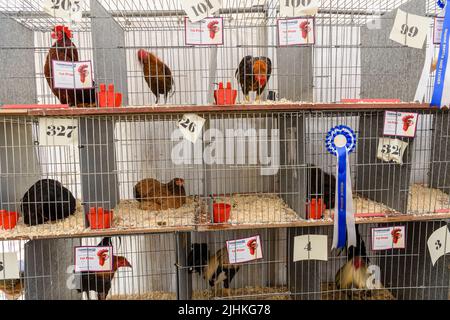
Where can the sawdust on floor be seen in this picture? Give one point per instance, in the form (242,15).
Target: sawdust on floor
(423,200)
(247,293)
(330,292)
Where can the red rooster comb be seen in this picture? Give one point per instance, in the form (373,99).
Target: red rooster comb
(63,29)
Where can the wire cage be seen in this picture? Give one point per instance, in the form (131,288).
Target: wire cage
(256,168)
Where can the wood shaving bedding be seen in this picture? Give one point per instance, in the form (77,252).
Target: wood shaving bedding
(423,200)
(251,293)
(266,208)
(129,215)
(71,225)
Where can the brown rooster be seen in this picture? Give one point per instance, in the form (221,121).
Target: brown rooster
(12,288)
(253,74)
(154,195)
(100,281)
(156,73)
(65,50)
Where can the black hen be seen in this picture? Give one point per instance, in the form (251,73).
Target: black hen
(47,200)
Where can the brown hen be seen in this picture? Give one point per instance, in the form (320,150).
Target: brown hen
(154,195)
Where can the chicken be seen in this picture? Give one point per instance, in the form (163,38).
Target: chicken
(65,50)
(215,269)
(100,281)
(157,74)
(253,74)
(45,201)
(12,288)
(154,195)
(354,274)
(321,185)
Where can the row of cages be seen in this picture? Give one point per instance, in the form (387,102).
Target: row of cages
(72,175)
(140,48)
(202,265)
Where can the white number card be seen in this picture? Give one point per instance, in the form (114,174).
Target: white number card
(297,8)
(410,29)
(439,243)
(311,247)
(191,126)
(69,10)
(390,149)
(9,266)
(58,131)
(198,10)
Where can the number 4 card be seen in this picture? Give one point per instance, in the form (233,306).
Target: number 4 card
(311,247)
(410,29)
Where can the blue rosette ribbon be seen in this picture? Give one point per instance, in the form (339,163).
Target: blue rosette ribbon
(340,141)
(441,3)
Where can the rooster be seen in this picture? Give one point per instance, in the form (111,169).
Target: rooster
(253,74)
(154,195)
(156,73)
(215,269)
(354,274)
(65,50)
(12,288)
(100,281)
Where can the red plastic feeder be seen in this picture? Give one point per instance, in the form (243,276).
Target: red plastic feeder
(100,219)
(224,96)
(109,98)
(8,219)
(221,212)
(316,208)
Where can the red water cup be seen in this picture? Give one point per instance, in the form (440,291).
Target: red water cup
(100,218)
(221,212)
(8,219)
(118,101)
(316,208)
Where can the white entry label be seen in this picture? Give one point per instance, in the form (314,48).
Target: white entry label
(388,238)
(296,32)
(58,131)
(296,8)
(191,126)
(438,243)
(93,259)
(9,266)
(391,150)
(198,10)
(311,247)
(410,29)
(69,10)
(72,75)
(402,124)
(205,32)
(244,250)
